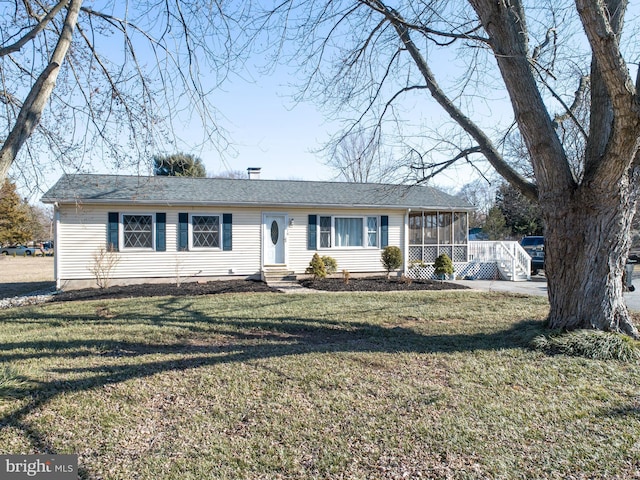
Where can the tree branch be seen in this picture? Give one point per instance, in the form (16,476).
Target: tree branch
(601,24)
(39,94)
(442,166)
(505,24)
(484,143)
(14,47)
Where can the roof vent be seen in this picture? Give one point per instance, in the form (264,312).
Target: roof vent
(254,173)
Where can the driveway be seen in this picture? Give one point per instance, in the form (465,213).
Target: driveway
(538,286)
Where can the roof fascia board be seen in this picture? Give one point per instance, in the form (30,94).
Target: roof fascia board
(250,204)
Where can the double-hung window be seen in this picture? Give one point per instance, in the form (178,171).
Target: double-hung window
(340,232)
(325,232)
(372,231)
(205,231)
(137,230)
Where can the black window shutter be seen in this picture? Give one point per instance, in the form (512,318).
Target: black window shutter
(227,239)
(112,231)
(161,232)
(183,232)
(384,231)
(312,237)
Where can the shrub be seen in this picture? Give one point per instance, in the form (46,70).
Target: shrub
(330,264)
(593,344)
(443,266)
(104,261)
(317,267)
(391,258)
(346,276)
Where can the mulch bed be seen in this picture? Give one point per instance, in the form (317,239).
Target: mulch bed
(164,289)
(377,284)
(368,284)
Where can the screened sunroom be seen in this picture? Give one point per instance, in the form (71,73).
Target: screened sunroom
(433,233)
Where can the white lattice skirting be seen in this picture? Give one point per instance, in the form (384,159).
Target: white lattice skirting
(463,271)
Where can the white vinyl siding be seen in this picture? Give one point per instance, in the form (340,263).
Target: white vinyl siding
(82,231)
(353,259)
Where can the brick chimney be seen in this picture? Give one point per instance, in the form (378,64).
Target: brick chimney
(254,173)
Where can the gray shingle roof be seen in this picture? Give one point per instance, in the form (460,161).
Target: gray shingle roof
(160,190)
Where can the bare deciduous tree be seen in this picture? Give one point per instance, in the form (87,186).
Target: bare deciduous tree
(80,81)
(361,159)
(364,56)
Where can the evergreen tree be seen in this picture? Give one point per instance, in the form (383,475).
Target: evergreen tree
(522,216)
(14,216)
(178,165)
(495,225)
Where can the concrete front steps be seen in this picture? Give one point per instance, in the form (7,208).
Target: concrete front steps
(278,277)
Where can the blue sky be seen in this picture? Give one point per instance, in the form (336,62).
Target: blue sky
(269,130)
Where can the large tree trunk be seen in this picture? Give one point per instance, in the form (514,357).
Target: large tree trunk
(587,240)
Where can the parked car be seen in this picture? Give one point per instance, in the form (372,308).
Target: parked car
(18,250)
(534,246)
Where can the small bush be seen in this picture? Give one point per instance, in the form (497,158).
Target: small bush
(593,344)
(346,276)
(317,267)
(104,261)
(416,264)
(330,264)
(391,258)
(443,266)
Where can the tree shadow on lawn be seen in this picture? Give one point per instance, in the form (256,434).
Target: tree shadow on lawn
(222,338)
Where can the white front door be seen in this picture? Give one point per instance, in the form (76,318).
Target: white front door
(273,239)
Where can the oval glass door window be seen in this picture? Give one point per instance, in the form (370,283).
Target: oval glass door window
(275,232)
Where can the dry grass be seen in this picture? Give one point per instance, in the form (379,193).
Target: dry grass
(19,275)
(319,386)
(25,269)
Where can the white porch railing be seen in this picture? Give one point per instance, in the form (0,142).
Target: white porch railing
(514,263)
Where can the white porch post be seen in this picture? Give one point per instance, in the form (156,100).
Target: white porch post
(405,254)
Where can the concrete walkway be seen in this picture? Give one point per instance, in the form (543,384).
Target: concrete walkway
(538,286)
(285,286)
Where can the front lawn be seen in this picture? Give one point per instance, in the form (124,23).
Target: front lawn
(326,386)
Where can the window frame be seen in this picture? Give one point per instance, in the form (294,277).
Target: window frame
(369,232)
(365,232)
(191,232)
(122,232)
